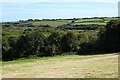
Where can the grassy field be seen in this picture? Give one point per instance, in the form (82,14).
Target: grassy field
(51,23)
(108,19)
(89,23)
(93,21)
(69,66)
(88,20)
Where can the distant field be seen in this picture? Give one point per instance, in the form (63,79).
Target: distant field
(17,31)
(108,19)
(89,23)
(51,23)
(94,21)
(97,20)
(69,66)
(87,20)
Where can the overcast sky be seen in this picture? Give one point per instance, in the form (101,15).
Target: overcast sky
(14,10)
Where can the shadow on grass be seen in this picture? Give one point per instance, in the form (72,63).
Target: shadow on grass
(96,53)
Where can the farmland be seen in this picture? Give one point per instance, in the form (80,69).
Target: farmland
(16,29)
(69,66)
(61,48)
(51,23)
(88,23)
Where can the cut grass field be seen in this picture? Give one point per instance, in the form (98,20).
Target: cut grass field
(69,66)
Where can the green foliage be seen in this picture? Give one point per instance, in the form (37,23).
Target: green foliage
(49,50)
(38,40)
(86,48)
(30,43)
(20,42)
(69,42)
(109,39)
(5,44)
(8,47)
(87,42)
(24,45)
(54,40)
(12,41)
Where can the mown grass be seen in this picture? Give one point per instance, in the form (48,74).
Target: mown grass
(68,66)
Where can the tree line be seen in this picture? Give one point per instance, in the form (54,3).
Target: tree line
(35,43)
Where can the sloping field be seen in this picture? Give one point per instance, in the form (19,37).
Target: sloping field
(51,23)
(69,66)
(88,20)
(90,23)
(108,19)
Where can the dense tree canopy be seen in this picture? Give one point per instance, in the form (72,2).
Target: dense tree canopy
(109,37)
(35,43)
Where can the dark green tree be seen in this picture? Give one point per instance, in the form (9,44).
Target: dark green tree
(5,50)
(25,45)
(12,41)
(69,42)
(87,43)
(54,40)
(38,40)
(109,39)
